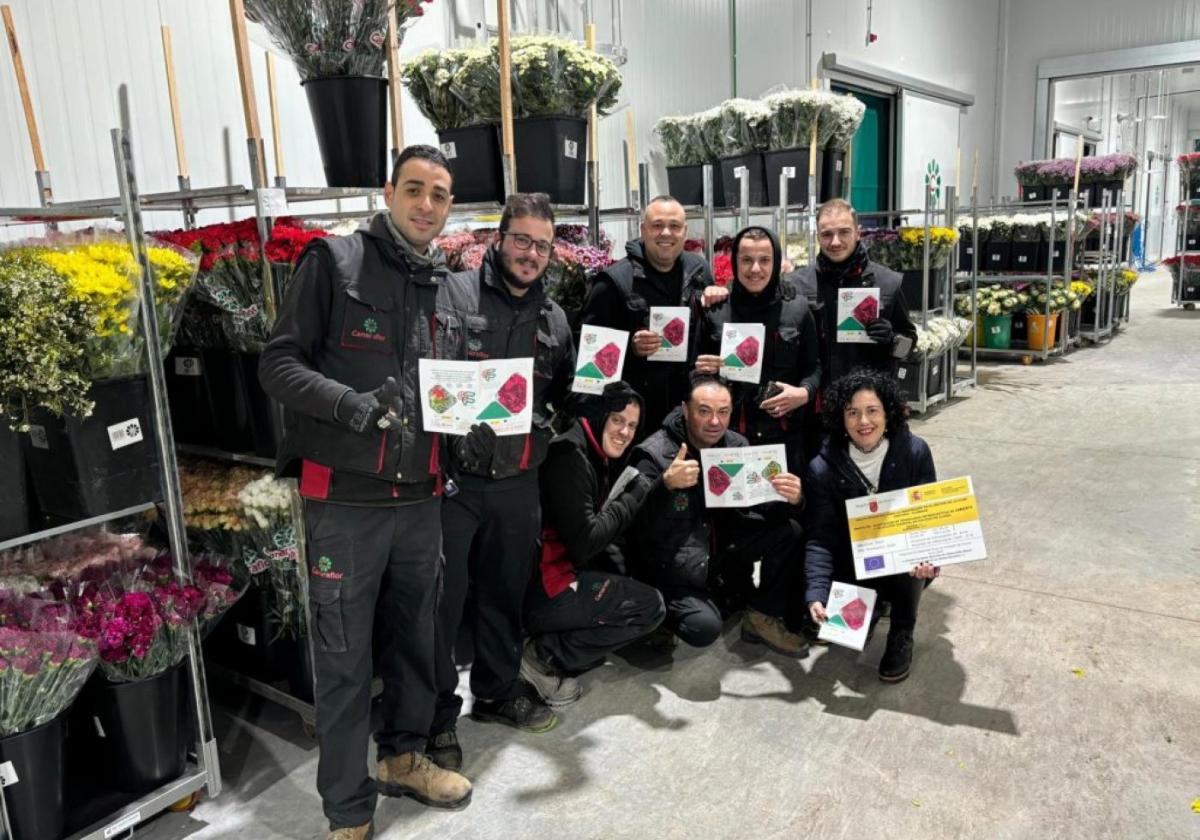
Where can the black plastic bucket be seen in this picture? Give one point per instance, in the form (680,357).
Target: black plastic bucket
(685,184)
(188,395)
(756,172)
(35,802)
(474,155)
(833,173)
(141,728)
(551,157)
(350,117)
(14,497)
(88,467)
(228,412)
(266,423)
(774,162)
(910,284)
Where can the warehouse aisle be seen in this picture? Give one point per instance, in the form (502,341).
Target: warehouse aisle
(1055,691)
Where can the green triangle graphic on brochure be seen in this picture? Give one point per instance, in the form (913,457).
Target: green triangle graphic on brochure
(851,323)
(495,411)
(733,361)
(731,469)
(590,371)
(837,621)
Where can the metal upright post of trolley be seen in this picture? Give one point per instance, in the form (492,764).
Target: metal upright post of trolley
(202,768)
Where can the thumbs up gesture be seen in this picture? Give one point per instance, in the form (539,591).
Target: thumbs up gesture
(682,473)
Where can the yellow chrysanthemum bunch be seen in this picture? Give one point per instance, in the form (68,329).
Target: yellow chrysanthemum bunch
(109,292)
(938,236)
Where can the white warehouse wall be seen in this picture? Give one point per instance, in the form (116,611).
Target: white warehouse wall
(951,43)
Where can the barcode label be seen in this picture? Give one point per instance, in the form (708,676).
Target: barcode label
(125,433)
(38,438)
(450,150)
(188,366)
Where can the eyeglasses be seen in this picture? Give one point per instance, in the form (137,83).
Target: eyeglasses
(524,243)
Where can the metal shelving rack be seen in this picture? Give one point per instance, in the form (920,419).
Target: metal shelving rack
(1107,262)
(203,767)
(1061,344)
(1191,213)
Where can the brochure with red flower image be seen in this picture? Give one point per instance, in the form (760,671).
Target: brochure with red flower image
(848,615)
(856,308)
(601,358)
(742,352)
(741,476)
(671,324)
(457,395)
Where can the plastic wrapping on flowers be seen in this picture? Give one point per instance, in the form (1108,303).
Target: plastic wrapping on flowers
(431,78)
(793,113)
(991,300)
(940,335)
(681,141)
(271,554)
(44,663)
(554,76)
(1061,298)
(745,127)
(333,39)
(839,119)
(1061,171)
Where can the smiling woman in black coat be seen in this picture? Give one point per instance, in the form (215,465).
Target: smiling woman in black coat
(869,450)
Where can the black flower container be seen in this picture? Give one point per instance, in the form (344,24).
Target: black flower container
(1060,255)
(474,155)
(1023,258)
(996,256)
(831,166)
(1096,190)
(14,494)
(266,424)
(35,803)
(551,157)
(106,462)
(686,184)
(910,284)
(228,410)
(774,163)
(350,117)
(187,393)
(755,171)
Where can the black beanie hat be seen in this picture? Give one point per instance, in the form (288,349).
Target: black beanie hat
(616,395)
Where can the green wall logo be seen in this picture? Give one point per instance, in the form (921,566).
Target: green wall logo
(371,326)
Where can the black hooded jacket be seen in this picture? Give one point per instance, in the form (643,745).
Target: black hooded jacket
(620,299)
(789,353)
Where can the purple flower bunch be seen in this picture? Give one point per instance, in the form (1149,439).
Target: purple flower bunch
(1059,171)
(76,558)
(578,235)
(43,661)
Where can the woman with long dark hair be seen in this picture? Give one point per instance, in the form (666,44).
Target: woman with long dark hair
(869,450)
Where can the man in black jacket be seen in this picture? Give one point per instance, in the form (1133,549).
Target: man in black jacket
(772,410)
(655,272)
(491,524)
(580,605)
(843,263)
(688,551)
(358,314)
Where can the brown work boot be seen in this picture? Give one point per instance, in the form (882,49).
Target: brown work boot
(358,832)
(415,776)
(760,628)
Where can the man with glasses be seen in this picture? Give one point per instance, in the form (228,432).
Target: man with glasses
(491,523)
(655,272)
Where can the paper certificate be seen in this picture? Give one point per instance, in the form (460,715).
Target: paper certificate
(937,523)
(848,615)
(601,358)
(742,352)
(855,309)
(671,323)
(741,476)
(457,395)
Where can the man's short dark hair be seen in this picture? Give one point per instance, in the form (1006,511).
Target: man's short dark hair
(520,205)
(422,152)
(837,204)
(697,379)
(660,199)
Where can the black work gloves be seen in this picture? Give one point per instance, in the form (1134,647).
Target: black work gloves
(477,448)
(880,330)
(362,412)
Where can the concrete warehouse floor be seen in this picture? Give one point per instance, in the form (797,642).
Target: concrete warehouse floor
(1055,691)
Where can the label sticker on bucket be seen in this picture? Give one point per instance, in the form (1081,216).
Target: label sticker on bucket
(273,201)
(188,366)
(450,150)
(571,149)
(8,774)
(38,438)
(124,824)
(125,433)
(246,635)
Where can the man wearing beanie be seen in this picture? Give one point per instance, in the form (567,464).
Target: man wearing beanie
(580,605)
